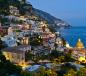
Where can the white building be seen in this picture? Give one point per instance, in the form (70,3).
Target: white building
(13,10)
(9,40)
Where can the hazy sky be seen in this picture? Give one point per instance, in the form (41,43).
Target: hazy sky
(72,11)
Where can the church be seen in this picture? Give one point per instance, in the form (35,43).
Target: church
(79,52)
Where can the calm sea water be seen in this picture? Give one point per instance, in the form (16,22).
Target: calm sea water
(71,35)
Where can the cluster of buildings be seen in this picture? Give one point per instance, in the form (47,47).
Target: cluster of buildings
(78,52)
(17,32)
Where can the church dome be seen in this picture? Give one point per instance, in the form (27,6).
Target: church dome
(79,44)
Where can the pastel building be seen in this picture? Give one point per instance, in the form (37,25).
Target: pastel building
(14,10)
(24,40)
(9,40)
(48,40)
(16,54)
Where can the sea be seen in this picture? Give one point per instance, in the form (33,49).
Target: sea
(72,34)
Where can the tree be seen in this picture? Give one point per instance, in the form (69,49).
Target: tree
(54,54)
(68,56)
(25,73)
(71,72)
(64,42)
(81,72)
(2,44)
(61,59)
(42,71)
(29,56)
(36,40)
(4,7)
(8,68)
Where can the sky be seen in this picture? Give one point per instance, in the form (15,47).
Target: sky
(71,11)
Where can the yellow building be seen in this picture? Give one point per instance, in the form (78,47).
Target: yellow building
(17,54)
(79,52)
(79,45)
(25,41)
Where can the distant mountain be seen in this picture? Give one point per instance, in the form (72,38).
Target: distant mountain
(53,21)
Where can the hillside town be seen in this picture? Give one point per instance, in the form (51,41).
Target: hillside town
(29,42)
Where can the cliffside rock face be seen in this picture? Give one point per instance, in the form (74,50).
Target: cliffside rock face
(52,21)
(26,8)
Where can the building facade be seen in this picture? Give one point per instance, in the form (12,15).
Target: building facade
(16,54)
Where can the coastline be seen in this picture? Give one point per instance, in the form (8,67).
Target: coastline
(72,34)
